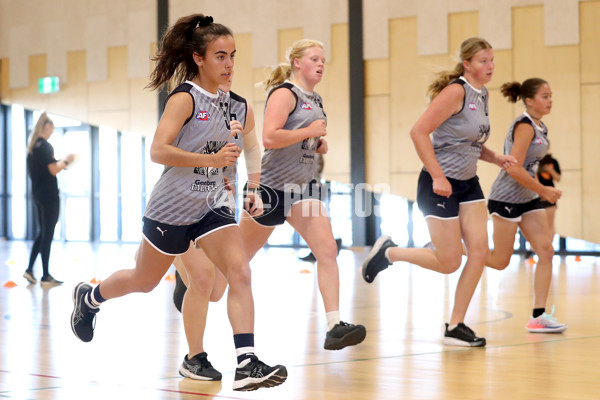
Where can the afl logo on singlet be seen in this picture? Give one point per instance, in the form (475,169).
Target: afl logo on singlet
(306,106)
(203,116)
(472,106)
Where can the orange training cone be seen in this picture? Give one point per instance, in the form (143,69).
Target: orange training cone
(10,284)
(530,261)
(577,258)
(304,271)
(95,280)
(170,277)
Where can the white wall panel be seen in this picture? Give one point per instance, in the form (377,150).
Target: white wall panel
(561,22)
(375,29)
(19,56)
(56,39)
(432,28)
(495,22)
(138,43)
(96,32)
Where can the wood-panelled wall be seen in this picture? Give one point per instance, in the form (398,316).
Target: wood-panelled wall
(398,69)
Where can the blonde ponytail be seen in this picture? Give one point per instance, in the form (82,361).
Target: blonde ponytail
(278,75)
(442,80)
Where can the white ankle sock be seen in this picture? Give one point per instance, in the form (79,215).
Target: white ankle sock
(387,254)
(333,318)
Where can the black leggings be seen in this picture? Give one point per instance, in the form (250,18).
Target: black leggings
(47,211)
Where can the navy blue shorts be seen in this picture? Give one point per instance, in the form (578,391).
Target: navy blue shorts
(277,203)
(434,205)
(515,211)
(547,204)
(175,239)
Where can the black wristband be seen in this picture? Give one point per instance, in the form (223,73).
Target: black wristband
(66,162)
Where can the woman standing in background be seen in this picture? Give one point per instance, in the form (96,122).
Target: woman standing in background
(43,168)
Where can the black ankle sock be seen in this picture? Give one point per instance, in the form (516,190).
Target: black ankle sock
(538,311)
(244,345)
(95,298)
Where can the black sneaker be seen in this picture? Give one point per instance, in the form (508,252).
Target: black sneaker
(199,368)
(376,260)
(462,335)
(29,276)
(50,281)
(179,291)
(83,316)
(343,335)
(256,374)
(529,254)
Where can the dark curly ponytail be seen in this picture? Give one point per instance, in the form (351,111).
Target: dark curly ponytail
(514,91)
(174,58)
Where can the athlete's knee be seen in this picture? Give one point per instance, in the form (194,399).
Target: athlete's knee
(450,262)
(239,275)
(326,253)
(545,252)
(202,279)
(479,253)
(499,263)
(146,285)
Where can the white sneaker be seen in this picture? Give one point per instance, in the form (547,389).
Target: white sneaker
(545,323)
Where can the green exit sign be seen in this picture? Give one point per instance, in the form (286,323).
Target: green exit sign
(48,84)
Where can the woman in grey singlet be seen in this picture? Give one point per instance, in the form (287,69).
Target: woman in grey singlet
(212,283)
(294,124)
(518,199)
(449,194)
(193,141)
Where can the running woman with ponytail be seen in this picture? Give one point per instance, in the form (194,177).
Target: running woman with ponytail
(448,192)
(193,141)
(518,199)
(209,283)
(294,123)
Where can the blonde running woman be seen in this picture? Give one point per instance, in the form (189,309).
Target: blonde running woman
(294,124)
(449,194)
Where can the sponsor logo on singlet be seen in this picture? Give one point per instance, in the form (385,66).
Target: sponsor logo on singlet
(203,115)
(203,186)
(472,106)
(306,106)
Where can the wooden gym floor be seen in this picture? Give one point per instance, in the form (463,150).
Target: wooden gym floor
(139,340)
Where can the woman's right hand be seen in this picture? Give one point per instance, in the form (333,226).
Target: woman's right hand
(317,128)
(70,158)
(551,194)
(442,187)
(228,155)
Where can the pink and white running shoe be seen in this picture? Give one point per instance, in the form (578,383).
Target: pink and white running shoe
(545,323)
